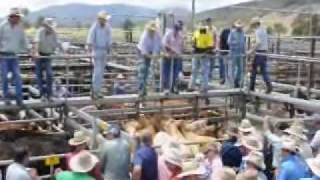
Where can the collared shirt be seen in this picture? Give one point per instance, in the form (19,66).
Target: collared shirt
(47,42)
(149,45)
(237,41)
(68,175)
(100,37)
(115,158)
(146,158)
(262,38)
(17,172)
(292,168)
(12,39)
(173,42)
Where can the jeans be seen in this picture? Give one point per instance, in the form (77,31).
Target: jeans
(221,67)
(202,63)
(260,61)
(237,69)
(98,71)
(44,84)
(11,65)
(169,66)
(143,73)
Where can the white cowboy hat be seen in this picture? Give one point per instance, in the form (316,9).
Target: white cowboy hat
(252,143)
(191,168)
(256,158)
(289,144)
(246,126)
(79,138)
(103,15)
(255,20)
(225,173)
(238,23)
(83,162)
(314,164)
(50,22)
(15,12)
(173,156)
(152,26)
(297,131)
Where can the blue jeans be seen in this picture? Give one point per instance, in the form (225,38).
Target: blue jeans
(169,65)
(98,71)
(11,65)
(44,84)
(221,67)
(202,63)
(143,73)
(237,69)
(260,61)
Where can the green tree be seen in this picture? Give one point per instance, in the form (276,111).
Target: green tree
(301,25)
(279,29)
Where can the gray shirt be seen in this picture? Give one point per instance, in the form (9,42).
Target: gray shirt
(115,158)
(17,172)
(12,38)
(47,42)
(100,37)
(262,38)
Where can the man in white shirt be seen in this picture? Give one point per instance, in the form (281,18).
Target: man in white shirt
(45,44)
(12,42)
(99,44)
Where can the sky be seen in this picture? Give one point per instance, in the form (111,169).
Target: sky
(38,4)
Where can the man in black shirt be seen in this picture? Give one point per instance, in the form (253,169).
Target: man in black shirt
(223,46)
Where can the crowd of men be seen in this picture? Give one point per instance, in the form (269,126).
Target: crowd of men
(206,43)
(280,152)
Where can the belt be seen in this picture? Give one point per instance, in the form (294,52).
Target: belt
(262,51)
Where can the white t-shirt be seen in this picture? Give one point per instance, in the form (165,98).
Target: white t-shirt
(17,172)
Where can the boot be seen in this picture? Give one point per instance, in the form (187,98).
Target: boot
(269,88)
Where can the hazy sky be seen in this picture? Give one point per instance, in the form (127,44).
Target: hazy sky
(38,4)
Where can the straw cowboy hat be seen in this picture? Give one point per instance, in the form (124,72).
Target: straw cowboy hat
(152,26)
(173,156)
(50,22)
(79,138)
(248,175)
(15,12)
(255,20)
(289,144)
(83,162)
(246,126)
(191,168)
(238,23)
(314,164)
(252,143)
(297,131)
(225,173)
(256,158)
(103,15)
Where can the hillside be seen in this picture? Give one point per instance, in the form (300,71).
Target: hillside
(84,14)
(226,15)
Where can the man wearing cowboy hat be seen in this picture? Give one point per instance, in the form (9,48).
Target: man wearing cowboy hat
(99,44)
(292,167)
(45,44)
(255,162)
(260,60)
(237,43)
(12,42)
(149,45)
(80,165)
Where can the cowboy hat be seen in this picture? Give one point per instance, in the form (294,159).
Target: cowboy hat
(173,156)
(314,164)
(83,162)
(238,24)
(255,20)
(248,175)
(289,144)
(152,26)
(246,126)
(190,168)
(225,173)
(15,12)
(50,22)
(252,143)
(256,158)
(79,138)
(297,131)
(103,15)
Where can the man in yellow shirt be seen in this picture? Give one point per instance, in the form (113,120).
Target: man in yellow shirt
(202,46)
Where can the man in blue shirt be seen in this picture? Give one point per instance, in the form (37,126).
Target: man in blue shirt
(145,164)
(292,167)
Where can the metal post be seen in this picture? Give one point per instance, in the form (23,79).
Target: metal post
(311,66)
(193,14)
